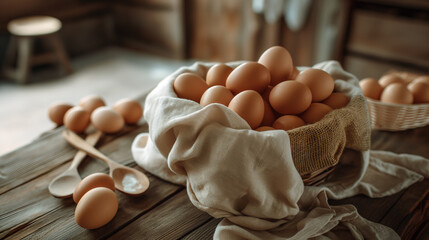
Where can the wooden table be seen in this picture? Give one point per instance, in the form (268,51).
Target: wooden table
(164,211)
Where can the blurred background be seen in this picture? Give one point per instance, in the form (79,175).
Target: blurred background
(121,49)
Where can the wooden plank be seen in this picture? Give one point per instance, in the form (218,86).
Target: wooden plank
(390,37)
(170,220)
(205,231)
(10,9)
(166,5)
(300,43)
(415,4)
(161,28)
(32,160)
(79,11)
(365,66)
(395,141)
(343,27)
(213,17)
(256,35)
(366,205)
(423,233)
(95,32)
(406,209)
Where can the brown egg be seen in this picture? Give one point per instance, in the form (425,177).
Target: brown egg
(57,111)
(218,74)
(424,79)
(396,93)
(288,122)
(336,100)
(290,97)
(320,83)
(216,94)
(130,110)
(92,181)
(406,76)
(77,119)
(249,105)
(388,79)
(248,76)
(91,102)
(190,86)
(96,208)
(107,120)
(315,112)
(371,88)
(420,91)
(278,61)
(264,128)
(269,115)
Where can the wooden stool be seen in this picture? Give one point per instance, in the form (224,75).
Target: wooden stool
(20,51)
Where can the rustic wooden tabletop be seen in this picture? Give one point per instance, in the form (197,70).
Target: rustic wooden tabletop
(164,211)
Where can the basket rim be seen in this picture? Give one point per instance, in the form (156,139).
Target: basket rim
(397,104)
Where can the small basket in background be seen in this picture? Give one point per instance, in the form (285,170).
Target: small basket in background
(397,117)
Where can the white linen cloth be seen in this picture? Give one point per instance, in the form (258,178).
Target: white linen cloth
(248,177)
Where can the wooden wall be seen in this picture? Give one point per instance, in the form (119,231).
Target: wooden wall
(155,26)
(228,30)
(387,35)
(221,30)
(373,36)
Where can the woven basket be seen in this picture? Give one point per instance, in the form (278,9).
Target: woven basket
(317,177)
(397,117)
(316,148)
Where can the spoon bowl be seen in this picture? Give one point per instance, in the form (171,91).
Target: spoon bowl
(127,180)
(64,184)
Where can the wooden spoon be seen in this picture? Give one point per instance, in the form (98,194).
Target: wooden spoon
(127,180)
(64,184)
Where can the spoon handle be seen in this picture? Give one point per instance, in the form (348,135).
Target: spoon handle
(91,139)
(81,144)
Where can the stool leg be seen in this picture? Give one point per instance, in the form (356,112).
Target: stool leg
(10,56)
(60,51)
(25,50)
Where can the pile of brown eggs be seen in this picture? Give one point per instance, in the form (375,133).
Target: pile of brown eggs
(269,94)
(399,88)
(93,109)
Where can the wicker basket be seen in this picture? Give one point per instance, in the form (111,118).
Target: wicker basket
(397,117)
(315,148)
(317,177)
